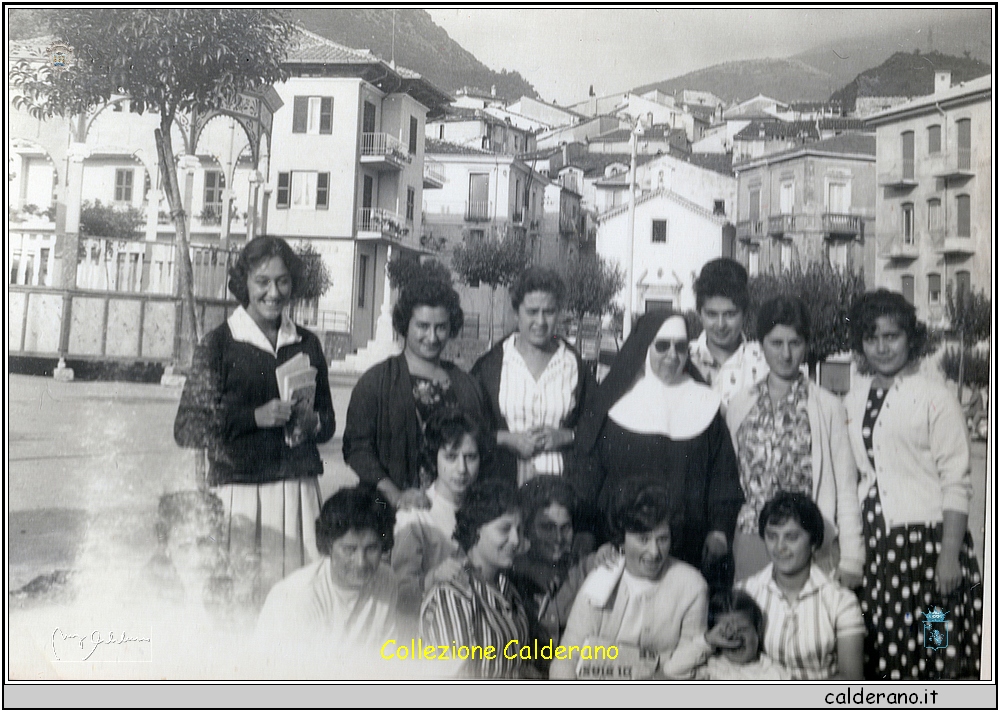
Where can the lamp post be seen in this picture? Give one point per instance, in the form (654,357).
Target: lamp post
(637,131)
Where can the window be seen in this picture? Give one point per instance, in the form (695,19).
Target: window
(312,115)
(907,210)
(753,262)
(411,199)
(963,281)
(653,305)
(441,132)
(837,253)
(414,124)
(215,182)
(838,197)
(786,197)
(963,215)
(476,236)
(906,287)
(753,213)
(907,155)
(786,255)
(659,231)
(934,288)
(303,190)
(964,127)
(719,208)
(123,185)
(479,193)
(368,118)
(933,215)
(934,139)
(362,279)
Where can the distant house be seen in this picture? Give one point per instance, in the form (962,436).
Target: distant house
(759,106)
(482,129)
(936,190)
(549,114)
(813,203)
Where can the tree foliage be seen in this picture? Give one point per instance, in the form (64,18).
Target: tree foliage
(969,314)
(168,61)
(98,220)
(404,269)
(592,283)
(316,277)
(495,263)
(971,367)
(827,292)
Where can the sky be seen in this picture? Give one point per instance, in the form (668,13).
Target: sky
(563,51)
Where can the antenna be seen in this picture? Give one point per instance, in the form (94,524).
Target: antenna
(392,52)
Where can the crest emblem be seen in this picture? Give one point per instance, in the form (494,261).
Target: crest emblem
(60,55)
(935,629)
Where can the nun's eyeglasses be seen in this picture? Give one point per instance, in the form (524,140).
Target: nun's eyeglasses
(663,345)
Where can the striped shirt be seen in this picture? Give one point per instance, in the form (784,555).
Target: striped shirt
(481,614)
(527,403)
(802,634)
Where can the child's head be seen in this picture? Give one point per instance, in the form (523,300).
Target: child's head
(189,527)
(547,504)
(452,450)
(742,620)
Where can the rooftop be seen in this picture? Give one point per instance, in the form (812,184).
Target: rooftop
(846,145)
(972,89)
(447,148)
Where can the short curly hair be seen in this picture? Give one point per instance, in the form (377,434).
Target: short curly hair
(537,279)
(255,253)
(446,428)
(357,508)
(204,509)
(543,491)
(722,277)
(639,508)
(793,505)
(882,303)
(427,293)
(485,501)
(783,310)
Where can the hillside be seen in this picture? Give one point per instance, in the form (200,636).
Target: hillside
(782,79)
(420,45)
(908,74)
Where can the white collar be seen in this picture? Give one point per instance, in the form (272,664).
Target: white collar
(245,329)
(652,407)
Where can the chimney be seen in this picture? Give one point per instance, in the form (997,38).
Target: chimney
(942,80)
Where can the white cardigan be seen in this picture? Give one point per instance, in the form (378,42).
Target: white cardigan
(921,449)
(834,473)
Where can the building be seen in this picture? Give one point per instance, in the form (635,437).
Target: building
(487,129)
(934,203)
(813,203)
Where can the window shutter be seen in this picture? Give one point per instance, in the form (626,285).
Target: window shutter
(300,114)
(326,115)
(323,190)
(284,182)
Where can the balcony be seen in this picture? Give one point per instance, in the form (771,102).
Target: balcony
(433,175)
(778,225)
(842,224)
(379,224)
(951,166)
(952,246)
(477,210)
(750,230)
(900,177)
(383,152)
(893,247)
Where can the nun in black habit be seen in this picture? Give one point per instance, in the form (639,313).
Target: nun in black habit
(654,418)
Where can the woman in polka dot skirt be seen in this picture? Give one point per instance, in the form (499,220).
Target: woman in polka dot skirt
(910,443)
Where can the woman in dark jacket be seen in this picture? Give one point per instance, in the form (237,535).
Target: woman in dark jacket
(263,460)
(537,384)
(395,398)
(655,419)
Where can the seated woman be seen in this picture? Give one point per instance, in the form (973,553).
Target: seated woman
(814,625)
(650,601)
(736,623)
(424,536)
(484,611)
(345,603)
(549,575)
(394,399)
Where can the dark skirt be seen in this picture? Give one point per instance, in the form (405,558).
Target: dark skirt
(898,589)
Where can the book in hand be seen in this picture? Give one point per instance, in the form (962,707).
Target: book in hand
(630,662)
(297,385)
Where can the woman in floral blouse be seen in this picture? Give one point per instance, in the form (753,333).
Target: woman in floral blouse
(791,435)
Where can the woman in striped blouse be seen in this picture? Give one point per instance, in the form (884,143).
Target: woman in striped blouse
(485,611)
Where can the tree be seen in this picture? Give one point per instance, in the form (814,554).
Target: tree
(97,220)
(404,269)
(316,277)
(495,263)
(969,313)
(592,283)
(827,292)
(168,61)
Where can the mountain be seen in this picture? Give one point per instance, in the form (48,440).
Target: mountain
(420,45)
(782,79)
(909,74)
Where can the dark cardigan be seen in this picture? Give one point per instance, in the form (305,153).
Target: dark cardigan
(382,434)
(487,370)
(230,379)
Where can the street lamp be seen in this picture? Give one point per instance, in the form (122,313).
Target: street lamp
(637,131)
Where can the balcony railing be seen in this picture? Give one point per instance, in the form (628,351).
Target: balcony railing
(951,166)
(382,150)
(477,210)
(957,246)
(897,177)
(843,224)
(749,230)
(374,223)
(894,247)
(433,174)
(780,224)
